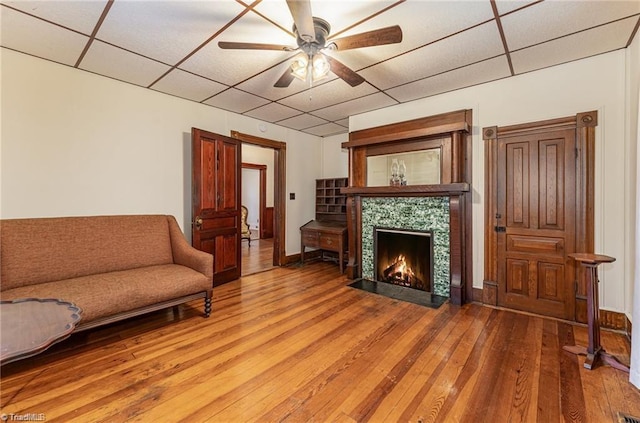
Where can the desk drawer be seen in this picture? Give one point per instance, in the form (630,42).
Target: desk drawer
(330,242)
(310,239)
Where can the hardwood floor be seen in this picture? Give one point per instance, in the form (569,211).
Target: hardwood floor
(258,257)
(298,345)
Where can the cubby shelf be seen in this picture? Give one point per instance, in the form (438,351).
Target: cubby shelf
(331,204)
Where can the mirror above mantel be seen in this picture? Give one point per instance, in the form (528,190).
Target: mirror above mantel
(399,169)
(433,150)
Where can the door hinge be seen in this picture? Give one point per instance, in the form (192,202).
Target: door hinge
(500,229)
(577,153)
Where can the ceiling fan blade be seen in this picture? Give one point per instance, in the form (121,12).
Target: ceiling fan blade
(377,37)
(343,72)
(285,79)
(303,18)
(230,45)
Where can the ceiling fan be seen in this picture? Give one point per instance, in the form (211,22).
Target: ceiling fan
(311,37)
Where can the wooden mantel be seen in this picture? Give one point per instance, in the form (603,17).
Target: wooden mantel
(409,190)
(451,133)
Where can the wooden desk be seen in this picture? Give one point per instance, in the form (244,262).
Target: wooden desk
(325,235)
(594,351)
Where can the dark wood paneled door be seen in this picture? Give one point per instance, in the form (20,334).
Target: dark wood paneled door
(535,222)
(216,182)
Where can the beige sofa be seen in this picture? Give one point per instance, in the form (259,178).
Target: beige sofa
(112,267)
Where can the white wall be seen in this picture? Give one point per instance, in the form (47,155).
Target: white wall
(263,156)
(74,143)
(633,290)
(251,197)
(335,159)
(597,83)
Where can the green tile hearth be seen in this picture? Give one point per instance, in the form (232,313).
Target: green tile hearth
(412,213)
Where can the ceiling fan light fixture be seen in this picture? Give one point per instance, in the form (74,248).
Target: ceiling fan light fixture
(299,67)
(320,67)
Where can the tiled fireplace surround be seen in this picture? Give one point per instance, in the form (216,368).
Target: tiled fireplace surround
(443,208)
(411,213)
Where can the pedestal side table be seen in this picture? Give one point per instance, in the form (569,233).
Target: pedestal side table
(594,350)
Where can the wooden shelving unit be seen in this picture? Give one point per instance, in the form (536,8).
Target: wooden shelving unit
(331,204)
(328,232)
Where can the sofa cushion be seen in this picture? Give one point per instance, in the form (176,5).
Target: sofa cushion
(110,293)
(34,251)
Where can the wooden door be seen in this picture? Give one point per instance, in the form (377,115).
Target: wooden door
(535,222)
(216,161)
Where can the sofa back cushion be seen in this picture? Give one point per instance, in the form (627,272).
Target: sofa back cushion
(49,249)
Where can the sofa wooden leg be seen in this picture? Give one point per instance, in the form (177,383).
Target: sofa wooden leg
(207,306)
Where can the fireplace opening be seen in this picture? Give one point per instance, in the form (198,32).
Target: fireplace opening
(403,257)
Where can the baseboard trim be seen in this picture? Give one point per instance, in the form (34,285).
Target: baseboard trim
(614,320)
(490,293)
(477,295)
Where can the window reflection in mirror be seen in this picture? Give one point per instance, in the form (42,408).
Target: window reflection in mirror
(411,168)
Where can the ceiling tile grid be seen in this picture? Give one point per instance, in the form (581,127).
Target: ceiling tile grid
(172,47)
(114,62)
(40,38)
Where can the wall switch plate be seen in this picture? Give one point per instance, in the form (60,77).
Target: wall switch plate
(292,196)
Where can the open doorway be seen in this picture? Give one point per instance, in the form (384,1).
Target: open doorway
(271,239)
(257,200)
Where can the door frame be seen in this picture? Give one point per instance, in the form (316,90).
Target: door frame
(279,189)
(262,190)
(584,124)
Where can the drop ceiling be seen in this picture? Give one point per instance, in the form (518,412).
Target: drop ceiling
(172,47)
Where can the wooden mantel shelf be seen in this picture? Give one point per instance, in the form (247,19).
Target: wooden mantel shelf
(408,190)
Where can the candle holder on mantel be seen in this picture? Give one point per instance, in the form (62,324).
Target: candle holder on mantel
(395,177)
(402,173)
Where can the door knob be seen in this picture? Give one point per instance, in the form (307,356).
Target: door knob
(198,222)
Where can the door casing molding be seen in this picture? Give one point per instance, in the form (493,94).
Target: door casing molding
(584,124)
(279,189)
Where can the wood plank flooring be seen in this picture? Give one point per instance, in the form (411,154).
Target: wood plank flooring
(298,345)
(258,257)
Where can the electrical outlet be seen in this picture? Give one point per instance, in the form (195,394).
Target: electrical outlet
(292,196)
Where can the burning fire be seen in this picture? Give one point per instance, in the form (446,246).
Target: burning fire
(399,273)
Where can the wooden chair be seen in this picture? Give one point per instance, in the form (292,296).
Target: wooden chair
(245,232)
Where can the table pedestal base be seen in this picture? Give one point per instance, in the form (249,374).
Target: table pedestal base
(592,359)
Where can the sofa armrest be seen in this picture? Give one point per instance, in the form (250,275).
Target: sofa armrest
(185,255)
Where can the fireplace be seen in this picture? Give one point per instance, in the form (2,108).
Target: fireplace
(403,257)
(444,207)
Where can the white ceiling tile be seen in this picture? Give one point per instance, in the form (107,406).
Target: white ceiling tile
(343,122)
(551,19)
(77,15)
(323,95)
(38,38)
(273,112)
(339,14)
(165,30)
(236,101)
(476,44)
(113,62)
(244,63)
(356,106)
(478,73)
(302,121)
(583,44)
(506,6)
(326,130)
(422,22)
(189,86)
